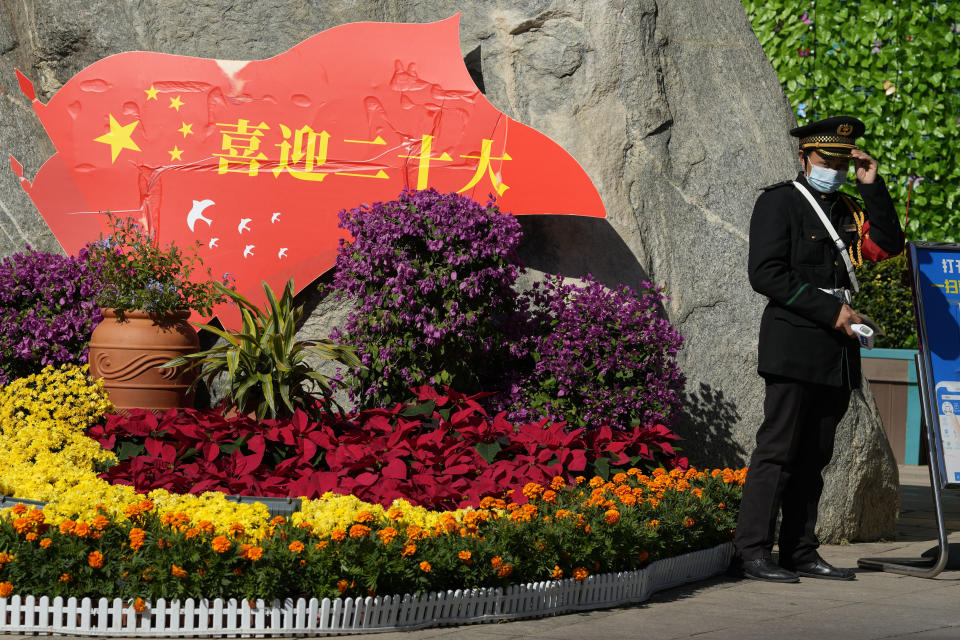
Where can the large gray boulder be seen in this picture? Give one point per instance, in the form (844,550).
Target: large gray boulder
(670,106)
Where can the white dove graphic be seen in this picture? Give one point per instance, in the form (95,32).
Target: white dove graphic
(196,213)
(282,253)
(212,243)
(244,225)
(274,217)
(248,251)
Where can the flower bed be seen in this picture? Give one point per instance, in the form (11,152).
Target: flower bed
(443,451)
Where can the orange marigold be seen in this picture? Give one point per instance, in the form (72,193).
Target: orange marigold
(688,522)
(254,553)
(496,561)
(409,549)
(95,559)
(642,555)
(364,517)
(612,516)
(236,528)
(66,577)
(5,558)
(394,513)
(206,526)
(597,481)
(653,524)
(19,509)
(6,588)
(45,543)
(82,530)
(67,526)
(466,556)
(296,547)
(415,532)
(359,531)
(100,522)
(276,521)
(387,534)
(338,534)
(177,572)
(425,566)
(505,570)
(557,572)
(580,573)
(549,495)
(342,586)
(320,545)
(139,605)
(221,544)
(558,483)
(137,537)
(36,516)
(619,478)
(30,537)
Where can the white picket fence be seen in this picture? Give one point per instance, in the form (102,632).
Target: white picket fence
(30,615)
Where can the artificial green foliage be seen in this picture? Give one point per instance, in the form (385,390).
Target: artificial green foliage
(894,64)
(885,297)
(265,366)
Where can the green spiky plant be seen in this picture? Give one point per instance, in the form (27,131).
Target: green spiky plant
(264,365)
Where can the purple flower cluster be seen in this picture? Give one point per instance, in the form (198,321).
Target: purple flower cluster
(47,311)
(432,278)
(602,357)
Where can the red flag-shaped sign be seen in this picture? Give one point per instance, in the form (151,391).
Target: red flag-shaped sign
(255,159)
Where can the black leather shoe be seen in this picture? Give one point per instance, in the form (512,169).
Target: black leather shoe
(820,568)
(766,569)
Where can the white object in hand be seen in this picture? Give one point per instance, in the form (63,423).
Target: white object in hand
(864,335)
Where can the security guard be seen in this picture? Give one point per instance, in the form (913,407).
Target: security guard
(809,357)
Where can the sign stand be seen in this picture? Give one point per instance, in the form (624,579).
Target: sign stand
(921,567)
(935,280)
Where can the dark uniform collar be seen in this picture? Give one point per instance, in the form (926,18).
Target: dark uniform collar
(821,197)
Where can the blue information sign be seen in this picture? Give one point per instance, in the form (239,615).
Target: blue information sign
(936,290)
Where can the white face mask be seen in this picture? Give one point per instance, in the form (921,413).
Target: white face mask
(825,180)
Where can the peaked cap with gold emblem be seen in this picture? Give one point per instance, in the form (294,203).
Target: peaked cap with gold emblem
(834,137)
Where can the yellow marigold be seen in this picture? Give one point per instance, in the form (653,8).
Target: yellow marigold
(496,562)
(220,544)
(139,605)
(338,534)
(387,534)
(45,543)
(177,572)
(466,557)
(6,588)
(359,531)
(425,566)
(580,573)
(296,547)
(611,516)
(557,572)
(95,559)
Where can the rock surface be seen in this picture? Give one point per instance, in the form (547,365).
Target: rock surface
(670,106)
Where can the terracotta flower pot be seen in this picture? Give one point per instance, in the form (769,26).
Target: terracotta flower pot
(127,356)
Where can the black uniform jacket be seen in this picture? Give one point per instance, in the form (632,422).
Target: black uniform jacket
(791,259)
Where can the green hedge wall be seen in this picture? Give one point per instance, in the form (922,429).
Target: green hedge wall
(893,64)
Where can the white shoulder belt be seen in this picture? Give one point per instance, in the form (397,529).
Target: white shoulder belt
(841,247)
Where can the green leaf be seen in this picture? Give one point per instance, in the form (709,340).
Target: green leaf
(488,450)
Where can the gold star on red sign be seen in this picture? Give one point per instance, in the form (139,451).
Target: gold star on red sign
(119,138)
(176,103)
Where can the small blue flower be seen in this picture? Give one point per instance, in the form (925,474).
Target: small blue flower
(802,110)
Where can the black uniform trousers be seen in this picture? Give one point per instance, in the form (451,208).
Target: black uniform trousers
(794,444)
